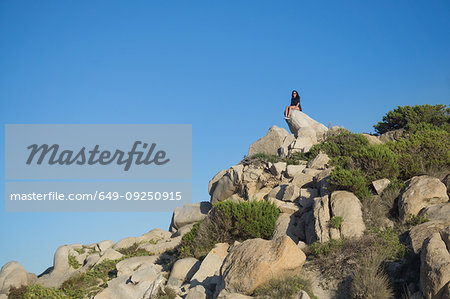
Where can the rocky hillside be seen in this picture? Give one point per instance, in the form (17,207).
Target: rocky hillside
(315,213)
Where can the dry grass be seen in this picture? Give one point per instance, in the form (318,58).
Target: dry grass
(368,279)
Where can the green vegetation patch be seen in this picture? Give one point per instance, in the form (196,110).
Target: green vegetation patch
(409,117)
(336,222)
(227,222)
(73,262)
(35,291)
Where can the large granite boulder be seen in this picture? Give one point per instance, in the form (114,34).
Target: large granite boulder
(299,120)
(182,270)
(207,274)
(421,192)
(346,205)
(13,274)
(269,144)
(434,266)
(256,261)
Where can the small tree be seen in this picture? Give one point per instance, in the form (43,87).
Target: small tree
(402,117)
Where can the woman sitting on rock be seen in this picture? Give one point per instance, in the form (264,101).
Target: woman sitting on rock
(295,105)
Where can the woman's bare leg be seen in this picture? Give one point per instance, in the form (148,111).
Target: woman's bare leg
(292,108)
(286,111)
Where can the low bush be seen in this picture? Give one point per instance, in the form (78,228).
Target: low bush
(229,221)
(34,291)
(323,249)
(73,261)
(424,152)
(376,162)
(285,287)
(352,180)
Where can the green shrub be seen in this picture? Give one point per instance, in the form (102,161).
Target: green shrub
(387,243)
(336,222)
(34,291)
(92,281)
(229,221)
(285,287)
(73,262)
(323,249)
(402,117)
(249,219)
(352,180)
(344,144)
(133,250)
(423,152)
(376,162)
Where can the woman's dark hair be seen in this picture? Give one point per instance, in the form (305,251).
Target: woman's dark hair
(296,97)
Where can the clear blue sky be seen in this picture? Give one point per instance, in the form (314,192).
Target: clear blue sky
(226,67)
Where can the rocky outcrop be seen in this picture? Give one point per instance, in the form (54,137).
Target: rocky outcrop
(421,192)
(300,120)
(258,261)
(13,274)
(269,144)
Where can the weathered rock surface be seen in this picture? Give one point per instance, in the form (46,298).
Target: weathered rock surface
(317,225)
(419,233)
(255,261)
(285,226)
(128,266)
(182,270)
(103,245)
(434,267)
(293,170)
(319,162)
(305,139)
(299,120)
(270,143)
(152,236)
(380,185)
(161,246)
(346,205)
(440,212)
(189,213)
(421,192)
(61,268)
(13,274)
(208,272)
(322,181)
